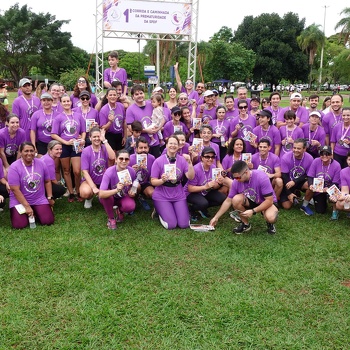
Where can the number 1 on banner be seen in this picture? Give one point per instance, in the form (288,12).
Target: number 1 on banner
(126,14)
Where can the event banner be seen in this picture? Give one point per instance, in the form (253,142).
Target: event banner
(157,17)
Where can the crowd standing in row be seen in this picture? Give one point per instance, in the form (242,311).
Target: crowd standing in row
(187,154)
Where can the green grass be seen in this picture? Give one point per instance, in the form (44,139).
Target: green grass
(77,285)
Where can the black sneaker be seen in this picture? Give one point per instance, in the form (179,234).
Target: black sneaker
(271,229)
(242,227)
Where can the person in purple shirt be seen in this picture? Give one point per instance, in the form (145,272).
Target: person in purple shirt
(343,201)
(189,86)
(221,130)
(69,128)
(333,117)
(25,105)
(313,101)
(242,95)
(266,130)
(115,73)
(231,112)
(274,108)
(175,124)
(314,134)
(294,167)
(115,190)
(54,151)
(11,137)
(302,115)
(251,193)
(142,163)
(95,159)
(29,180)
(55,94)
(41,124)
(187,119)
(328,170)
(203,190)
(242,125)
(269,163)
(340,138)
(112,119)
(169,197)
(289,133)
(82,85)
(142,111)
(207,111)
(4,186)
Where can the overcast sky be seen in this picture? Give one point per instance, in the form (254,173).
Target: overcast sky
(212,16)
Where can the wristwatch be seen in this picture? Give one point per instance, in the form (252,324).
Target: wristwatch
(105,141)
(254,212)
(49,198)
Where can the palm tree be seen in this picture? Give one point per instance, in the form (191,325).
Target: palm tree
(310,40)
(344,24)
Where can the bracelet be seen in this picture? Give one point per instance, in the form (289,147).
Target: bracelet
(105,141)
(254,212)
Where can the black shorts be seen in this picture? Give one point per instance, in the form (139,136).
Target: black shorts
(41,147)
(68,152)
(144,186)
(284,195)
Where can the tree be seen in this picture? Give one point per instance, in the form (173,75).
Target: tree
(310,40)
(344,24)
(273,39)
(133,63)
(224,34)
(69,78)
(32,40)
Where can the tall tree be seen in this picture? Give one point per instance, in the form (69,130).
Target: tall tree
(273,39)
(32,40)
(224,34)
(311,40)
(344,24)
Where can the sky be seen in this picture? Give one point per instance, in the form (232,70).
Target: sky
(212,16)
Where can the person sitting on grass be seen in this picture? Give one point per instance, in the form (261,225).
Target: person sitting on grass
(251,192)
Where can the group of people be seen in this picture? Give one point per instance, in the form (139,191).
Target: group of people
(186,154)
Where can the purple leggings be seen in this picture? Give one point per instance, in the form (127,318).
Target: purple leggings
(125,204)
(43,213)
(173,213)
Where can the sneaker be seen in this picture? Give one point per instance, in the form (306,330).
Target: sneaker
(112,224)
(71,198)
(271,229)
(234,215)
(204,214)
(88,203)
(154,214)
(242,227)
(66,194)
(152,142)
(335,215)
(119,215)
(194,217)
(306,209)
(78,198)
(312,202)
(144,204)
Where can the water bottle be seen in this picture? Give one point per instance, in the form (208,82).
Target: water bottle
(32,222)
(346,205)
(134,186)
(222,140)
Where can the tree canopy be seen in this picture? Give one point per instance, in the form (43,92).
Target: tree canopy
(33,40)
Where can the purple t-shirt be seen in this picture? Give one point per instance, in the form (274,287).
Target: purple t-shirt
(296,167)
(143,174)
(318,135)
(193,95)
(31,181)
(208,114)
(117,127)
(165,193)
(11,145)
(24,109)
(272,134)
(182,150)
(220,127)
(170,128)
(42,123)
(119,75)
(50,165)
(329,121)
(339,134)
(231,114)
(95,163)
(301,113)
(296,133)
(345,177)
(110,180)
(144,115)
(1,169)
(58,108)
(270,163)
(248,125)
(274,113)
(256,189)
(228,161)
(68,126)
(77,103)
(330,173)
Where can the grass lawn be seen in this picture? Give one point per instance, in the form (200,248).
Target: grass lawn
(78,285)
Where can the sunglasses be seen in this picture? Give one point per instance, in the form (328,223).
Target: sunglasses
(81,81)
(85,98)
(183,98)
(209,157)
(177,113)
(325,154)
(123,159)
(242,107)
(189,83)
(240,176)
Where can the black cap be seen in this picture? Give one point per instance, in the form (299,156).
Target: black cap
(84,93)
(207,150)
(175,109)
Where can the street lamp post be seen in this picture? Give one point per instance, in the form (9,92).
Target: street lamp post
(322,50)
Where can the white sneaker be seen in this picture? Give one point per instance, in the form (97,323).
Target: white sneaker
(88,203)
(66,194)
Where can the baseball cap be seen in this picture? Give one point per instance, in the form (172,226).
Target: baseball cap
(24,81)
(175,109)
(326,149)
(295,96)
(318,114)
(46,95)
(207,150)
(208,93)
(84,93)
